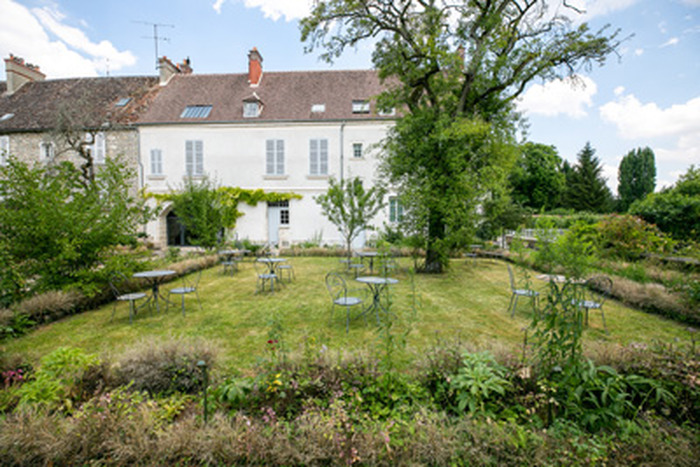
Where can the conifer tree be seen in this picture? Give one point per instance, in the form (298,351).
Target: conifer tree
(636,176)
(586,187)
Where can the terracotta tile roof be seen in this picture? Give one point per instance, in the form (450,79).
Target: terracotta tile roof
(285,96)
(36,105)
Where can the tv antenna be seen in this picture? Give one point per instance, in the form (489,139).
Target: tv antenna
(155,35)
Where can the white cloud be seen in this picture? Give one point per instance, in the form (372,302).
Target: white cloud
(593,8)
(670,42)
(27,34)
(692,2)
(686,151)
(275,9)
(637,120)
(638,52)
(217,5)
(620,90)
(610,174)
(568,97)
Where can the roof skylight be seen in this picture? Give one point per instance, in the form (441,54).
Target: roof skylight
(196,111)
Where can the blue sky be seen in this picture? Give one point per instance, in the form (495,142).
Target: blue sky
(648,96)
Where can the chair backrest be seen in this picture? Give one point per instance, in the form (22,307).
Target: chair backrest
(510,275)
(260,267)
(117,282)
(336,285)
(601,286)
(192,280)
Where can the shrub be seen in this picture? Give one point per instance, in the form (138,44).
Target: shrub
(50,306)
(165,367)
(65,376)
(630,237)
(478,381)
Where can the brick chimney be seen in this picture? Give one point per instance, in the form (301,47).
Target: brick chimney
(18,72)
(167,70)
(254,67)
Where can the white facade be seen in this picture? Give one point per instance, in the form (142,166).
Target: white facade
(237,155)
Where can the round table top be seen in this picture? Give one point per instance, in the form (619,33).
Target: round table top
(367,253)
(272,260)
(154,274)
(377,280)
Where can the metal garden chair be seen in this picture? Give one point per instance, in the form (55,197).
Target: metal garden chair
(338,290)
(117,281)
(189,286)
(597,290)
(516,292)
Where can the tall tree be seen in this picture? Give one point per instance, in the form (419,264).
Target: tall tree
(586,188)
(537,178)
(350,207)
(455,69)
(636,176)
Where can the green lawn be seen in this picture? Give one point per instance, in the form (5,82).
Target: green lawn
(469,302)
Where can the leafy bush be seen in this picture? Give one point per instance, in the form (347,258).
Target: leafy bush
(65,376)
(165,368)
(479,379)
(630,237)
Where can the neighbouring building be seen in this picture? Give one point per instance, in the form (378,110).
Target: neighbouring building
(278,131)
(36,115)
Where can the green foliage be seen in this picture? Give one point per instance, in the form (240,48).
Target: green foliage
(537,179)
(206,208)
(55,229)
(630,237)
(576,252)
(455,70)
(480,379)
(676,211)
(636,177)
(586,189)
(351,207)
(59,381)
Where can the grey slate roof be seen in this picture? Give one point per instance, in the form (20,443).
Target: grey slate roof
(285,96)
(36,104)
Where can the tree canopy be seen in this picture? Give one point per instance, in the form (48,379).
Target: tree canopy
(636,176)
(537,178)
(453,69)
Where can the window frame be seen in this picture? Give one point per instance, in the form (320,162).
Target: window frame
(156,163)
(43,155)
(274,157)
(318,156)
(360,106)
(98,148)
(395,210)
(198,111)
(194,158)
(251,105)
(358,148)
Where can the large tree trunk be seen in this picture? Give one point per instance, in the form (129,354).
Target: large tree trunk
(435,255)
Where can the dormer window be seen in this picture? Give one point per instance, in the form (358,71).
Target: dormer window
(360,107)
(122,102)
(251,109)
(252,106)
(318,108)
(196,111)
(387,112)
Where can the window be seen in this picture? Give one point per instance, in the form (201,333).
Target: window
(194,158)
(357,150)
(97,148)
(251,109)
(360,107)
(156,162)
(318,157)
(4,149)
(46,151)
(196,111)
(318,108)
(387,112)
(284,216)
(284,210)
(274,157)
(395,210)
(122,102)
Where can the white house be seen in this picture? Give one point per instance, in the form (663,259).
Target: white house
(279,131)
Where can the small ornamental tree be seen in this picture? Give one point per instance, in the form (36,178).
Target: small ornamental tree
(350,207)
